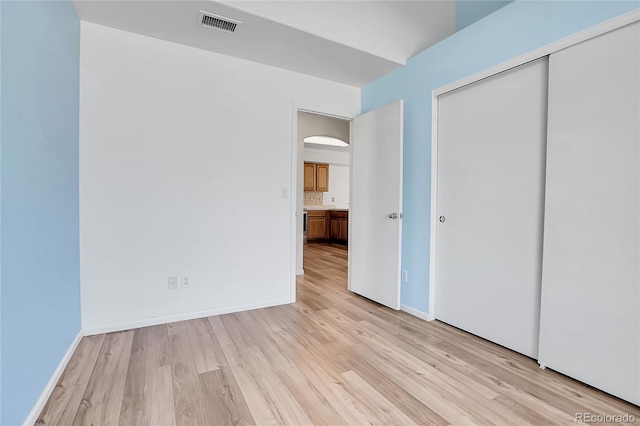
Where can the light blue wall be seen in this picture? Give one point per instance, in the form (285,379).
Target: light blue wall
(470,11)
(0,214)
(40,294)
(513,30)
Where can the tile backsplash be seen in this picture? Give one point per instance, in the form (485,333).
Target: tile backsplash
(314,198)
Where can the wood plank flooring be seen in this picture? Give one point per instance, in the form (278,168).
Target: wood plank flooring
(332,358)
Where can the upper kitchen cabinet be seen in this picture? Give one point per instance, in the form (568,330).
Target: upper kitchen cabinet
(322,177)
(316,177)
(309,177)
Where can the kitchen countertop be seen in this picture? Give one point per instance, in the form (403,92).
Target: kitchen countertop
(325,207)
(319,207)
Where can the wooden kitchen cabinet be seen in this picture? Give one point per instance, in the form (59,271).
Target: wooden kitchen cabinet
(339,223)
(309,177)
(317,225)
(344,234)
(322,177)
(316,177)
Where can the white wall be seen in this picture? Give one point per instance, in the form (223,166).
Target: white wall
(310,124)
(342,158)
(183,154)
(338,193)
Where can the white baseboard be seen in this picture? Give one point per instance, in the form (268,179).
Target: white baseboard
(416,313)
(89,331)
(46,393)
(300,272)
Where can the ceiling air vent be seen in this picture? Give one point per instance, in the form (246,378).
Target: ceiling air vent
(218,22)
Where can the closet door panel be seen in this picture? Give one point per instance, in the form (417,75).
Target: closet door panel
(491,154)
(590,306)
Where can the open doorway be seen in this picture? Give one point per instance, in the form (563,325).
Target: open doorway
(374,217)
(324,189)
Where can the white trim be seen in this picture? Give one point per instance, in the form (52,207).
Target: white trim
(401,203)
(321,111)
(589,33)
(53,381)
(349,217)
(293,196)
(416,312)
(89,331)
(434,205)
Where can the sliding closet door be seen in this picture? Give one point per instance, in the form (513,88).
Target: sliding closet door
(590,318)
(491,154)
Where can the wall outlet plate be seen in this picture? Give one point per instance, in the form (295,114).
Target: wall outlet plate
(185,281)
(173,283)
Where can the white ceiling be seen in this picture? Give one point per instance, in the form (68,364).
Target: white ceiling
(351,42)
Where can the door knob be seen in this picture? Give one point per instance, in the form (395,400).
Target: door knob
(393,215)
(442,219)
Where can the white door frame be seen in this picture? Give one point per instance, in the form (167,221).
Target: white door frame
(605,27)
(296,158)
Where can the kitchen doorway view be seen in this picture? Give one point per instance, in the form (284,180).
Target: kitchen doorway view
(324,187)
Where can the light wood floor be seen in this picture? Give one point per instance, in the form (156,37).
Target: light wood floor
(331,358)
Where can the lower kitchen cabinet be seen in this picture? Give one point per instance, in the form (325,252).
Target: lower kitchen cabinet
(339,226)
(328,225)
(317,225)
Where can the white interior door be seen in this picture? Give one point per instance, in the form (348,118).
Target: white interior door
(375,212)
(590,319)
(490,192)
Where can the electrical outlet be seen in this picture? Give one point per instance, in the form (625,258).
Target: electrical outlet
(333,199)
(284,192)
(405,276)
(173,283)
(185,281)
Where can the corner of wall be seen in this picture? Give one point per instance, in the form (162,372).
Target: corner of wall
(469,12)
(32,417)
